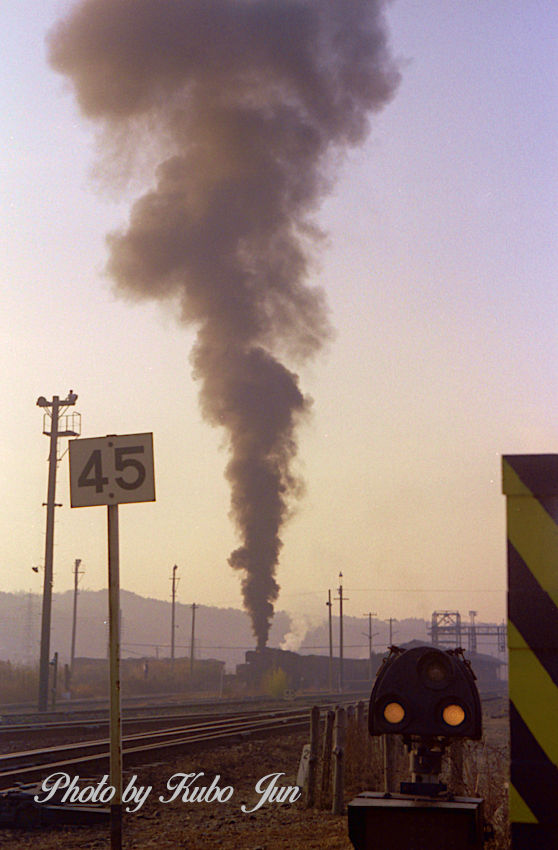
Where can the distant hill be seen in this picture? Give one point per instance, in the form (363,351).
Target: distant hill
(221,633)
(146,625)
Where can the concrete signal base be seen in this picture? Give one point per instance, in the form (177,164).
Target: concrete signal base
(403,822)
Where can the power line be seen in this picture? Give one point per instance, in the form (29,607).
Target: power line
(401,590)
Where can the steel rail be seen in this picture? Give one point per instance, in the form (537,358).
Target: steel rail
(13,729)
(31,764)
(161,735)
(152,702)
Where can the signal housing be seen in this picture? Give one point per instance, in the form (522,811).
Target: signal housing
(426,692)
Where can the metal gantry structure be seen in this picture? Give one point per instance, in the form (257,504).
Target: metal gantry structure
(448,629)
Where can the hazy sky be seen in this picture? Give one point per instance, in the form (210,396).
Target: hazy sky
(440,275)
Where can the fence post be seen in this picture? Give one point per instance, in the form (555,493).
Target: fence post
(352,747)
(326,760)
(361,741)
(456,783)
(389,762)
(313,760)
(340,733)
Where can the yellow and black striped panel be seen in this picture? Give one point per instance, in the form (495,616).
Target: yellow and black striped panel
(530,483)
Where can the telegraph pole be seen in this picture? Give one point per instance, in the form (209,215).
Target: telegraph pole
(392,620)
(174,586)
(329,604)
(194,606)
(472,632)
(370,638)
(341,600)
(77,574)
(60,426)
(54,664)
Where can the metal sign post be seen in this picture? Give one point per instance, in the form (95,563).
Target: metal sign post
(108,471)
(114,673)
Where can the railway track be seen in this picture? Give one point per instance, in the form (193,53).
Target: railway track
(14,712)
(37,729)
(144,738)
(168,713)
(17,731)
(24,766)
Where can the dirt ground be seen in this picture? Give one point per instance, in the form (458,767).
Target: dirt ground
(209,825)
(180,825)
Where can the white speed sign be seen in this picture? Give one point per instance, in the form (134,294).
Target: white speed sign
(111,470)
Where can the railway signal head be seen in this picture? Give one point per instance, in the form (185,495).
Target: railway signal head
(426,692)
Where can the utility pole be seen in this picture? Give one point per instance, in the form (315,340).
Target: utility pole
(341,600)
(54,664)
(77,574)
(174,586)
(29,630)
(370,638)
(59,426)
(392,620)
(329,604)
(194,606)
(472,632)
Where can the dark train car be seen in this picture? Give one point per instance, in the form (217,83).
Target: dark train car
(307,672)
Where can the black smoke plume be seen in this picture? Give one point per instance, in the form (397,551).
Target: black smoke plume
(250,103)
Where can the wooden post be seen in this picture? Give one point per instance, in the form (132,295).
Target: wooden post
(361,741)
(351,748)
(54,663)
(313,760)
(361,719)
(194,606)
(325,799)
(44,668)
(456,783)
(389,762)
(340,734)
(329,603)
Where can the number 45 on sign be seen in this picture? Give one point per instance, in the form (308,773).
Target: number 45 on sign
(111,470)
